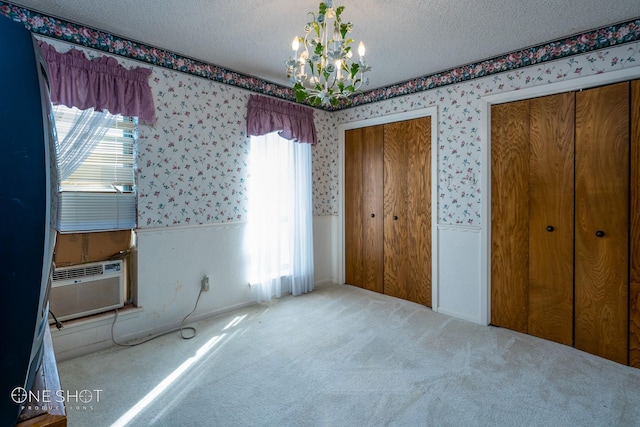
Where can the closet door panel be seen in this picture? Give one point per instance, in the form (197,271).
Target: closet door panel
(353,209)
(551,174)
(396,223)
(407,147)
(373,205)
(601,221)
(419,210)
(634,235)
(510,215)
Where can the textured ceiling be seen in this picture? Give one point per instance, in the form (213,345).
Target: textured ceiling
(404,39)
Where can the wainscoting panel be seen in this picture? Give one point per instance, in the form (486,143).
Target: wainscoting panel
(325,229)
(169,266)
(458,270)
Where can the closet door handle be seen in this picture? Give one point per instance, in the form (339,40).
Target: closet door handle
(373,215)
(395,217)
(550,228)
(599,233)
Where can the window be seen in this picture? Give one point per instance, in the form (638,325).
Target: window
(270,203)
(280,229)
(96,160)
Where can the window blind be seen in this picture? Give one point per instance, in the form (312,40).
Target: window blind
(100,194)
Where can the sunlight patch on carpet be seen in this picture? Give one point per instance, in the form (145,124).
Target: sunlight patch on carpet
(160,388)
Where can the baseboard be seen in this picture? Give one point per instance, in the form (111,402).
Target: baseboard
(461,316)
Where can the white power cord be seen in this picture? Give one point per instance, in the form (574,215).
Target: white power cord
(182,328)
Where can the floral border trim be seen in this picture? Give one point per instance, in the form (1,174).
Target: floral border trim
(586,42)
(81,35)
(78,34)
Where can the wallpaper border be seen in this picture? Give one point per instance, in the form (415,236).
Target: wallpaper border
(589,41)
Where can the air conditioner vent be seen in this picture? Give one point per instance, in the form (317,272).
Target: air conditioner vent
(78,272)
(87,289)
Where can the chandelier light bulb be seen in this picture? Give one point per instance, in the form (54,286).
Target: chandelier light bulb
(361,49)
(295,44)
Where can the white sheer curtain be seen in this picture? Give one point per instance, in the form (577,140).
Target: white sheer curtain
(301,241)
(280,229)
(76,142)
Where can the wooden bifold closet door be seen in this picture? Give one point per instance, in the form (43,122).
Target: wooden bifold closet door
(388,209)
(562,215)
(364,202)
(551,210)
(602,221)
(532,211)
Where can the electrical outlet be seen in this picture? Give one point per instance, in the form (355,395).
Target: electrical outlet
(205,283)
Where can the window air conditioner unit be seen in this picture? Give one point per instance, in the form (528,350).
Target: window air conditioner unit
(86,289)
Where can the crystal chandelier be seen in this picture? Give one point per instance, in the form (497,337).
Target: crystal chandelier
(323,73)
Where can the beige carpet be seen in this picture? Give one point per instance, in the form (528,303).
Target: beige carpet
(342,356)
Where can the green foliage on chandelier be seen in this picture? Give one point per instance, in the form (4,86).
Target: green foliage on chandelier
(300,91)
(355,67)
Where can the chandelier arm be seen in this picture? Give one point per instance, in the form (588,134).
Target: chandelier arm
(325,51)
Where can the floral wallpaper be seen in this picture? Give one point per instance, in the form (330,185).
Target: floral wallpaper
(325,157)
(192,163)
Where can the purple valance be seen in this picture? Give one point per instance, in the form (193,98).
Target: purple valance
(293,122)
(100,83)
